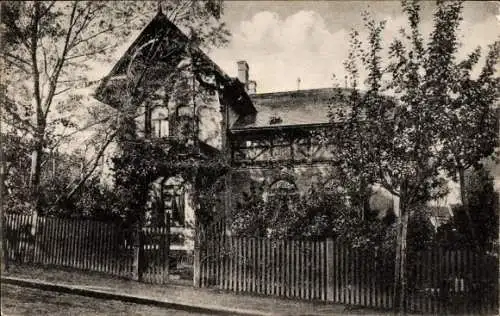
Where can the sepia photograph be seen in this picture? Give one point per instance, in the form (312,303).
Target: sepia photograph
(231,157)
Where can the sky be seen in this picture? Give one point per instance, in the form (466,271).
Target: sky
(286,40)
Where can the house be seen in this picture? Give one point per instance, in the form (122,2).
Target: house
(439,215)
(164,112)
(272,140)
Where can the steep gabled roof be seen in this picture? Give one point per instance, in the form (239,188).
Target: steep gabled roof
(158,23)
(161,24)
(291,108)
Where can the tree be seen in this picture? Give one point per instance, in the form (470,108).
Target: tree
(471,132)
(469,122)
(58,171)
(15,172)
(48,48)
(331,212)
(400,141)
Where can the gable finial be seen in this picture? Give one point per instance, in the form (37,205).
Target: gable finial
(160,11)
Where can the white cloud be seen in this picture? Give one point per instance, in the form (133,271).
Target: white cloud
(262,26)
(280,50)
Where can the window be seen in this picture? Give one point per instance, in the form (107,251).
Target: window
(282,187)
(159,122)
(334,186)
(283,195)
(281,148)
(173,195)
(160,128)
(167,196)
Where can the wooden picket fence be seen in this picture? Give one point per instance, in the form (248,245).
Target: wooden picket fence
(439,281)
(155,257)
(88,245)
(461,281)
(264,266)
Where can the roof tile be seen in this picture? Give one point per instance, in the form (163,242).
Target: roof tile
(291,108)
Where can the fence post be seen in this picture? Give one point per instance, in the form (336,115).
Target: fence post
(32,240)
(329,270)
(136,247)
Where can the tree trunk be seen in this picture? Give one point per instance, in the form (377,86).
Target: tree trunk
(36,167)
(138,252)
(400,259)
(3,241)
(461,175)
(465,203)
(36,156)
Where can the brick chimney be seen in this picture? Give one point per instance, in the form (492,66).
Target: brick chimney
(252,87)
(243,73)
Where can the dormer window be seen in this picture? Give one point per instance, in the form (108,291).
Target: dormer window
(275,120)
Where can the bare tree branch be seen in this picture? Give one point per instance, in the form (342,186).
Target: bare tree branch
(92,53)
(11,60)
(89,172)
(17,58)
(83,26)
(47,10)
(60,63)
(62,91)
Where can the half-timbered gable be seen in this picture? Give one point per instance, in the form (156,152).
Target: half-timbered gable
(181,90)
(289,130)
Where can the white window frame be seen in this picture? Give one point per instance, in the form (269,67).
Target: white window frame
(160,127)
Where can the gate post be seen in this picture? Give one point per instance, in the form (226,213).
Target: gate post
(197,257)
(166,249)
(197,268)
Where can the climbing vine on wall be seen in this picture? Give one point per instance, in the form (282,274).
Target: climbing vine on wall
(141,161)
